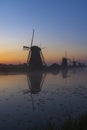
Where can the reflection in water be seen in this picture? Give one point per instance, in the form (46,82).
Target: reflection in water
(55,102)
(64,73)
(35,82)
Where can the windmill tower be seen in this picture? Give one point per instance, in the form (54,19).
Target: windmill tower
(35,60)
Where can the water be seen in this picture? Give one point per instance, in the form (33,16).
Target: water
(35,99)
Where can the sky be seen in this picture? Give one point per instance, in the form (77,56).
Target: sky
(60,26)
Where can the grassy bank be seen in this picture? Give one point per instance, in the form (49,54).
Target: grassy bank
(79,123)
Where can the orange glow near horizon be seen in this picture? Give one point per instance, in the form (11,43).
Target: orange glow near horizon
(20,56)
(13,57)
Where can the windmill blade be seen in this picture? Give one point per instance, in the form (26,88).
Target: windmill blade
(43,58)
(28,57)
(26,47)
(32,38)
(43,78)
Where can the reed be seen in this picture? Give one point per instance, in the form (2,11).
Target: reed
(79,123)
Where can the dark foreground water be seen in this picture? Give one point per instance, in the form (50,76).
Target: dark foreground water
(33,100)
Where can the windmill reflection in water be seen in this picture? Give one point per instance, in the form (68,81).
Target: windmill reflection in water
(35,82)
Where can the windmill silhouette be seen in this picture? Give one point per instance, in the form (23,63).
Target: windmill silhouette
(35,60)
(65,61)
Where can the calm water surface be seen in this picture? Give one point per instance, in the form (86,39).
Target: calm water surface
(34,99)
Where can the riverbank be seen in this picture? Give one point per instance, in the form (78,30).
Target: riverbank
(24,68)
(79,123)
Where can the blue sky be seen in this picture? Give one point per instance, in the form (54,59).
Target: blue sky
(60,25)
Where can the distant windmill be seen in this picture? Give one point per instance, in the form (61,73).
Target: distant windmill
(35,58)
(65,61)
(74,63)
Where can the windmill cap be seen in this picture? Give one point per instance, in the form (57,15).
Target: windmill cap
(36,48)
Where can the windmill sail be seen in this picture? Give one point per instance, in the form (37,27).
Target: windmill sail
(32,38)
(26,47)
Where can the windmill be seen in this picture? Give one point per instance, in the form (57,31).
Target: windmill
(75,63)
(65,61)
(35,60)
